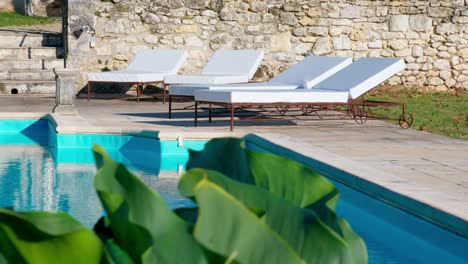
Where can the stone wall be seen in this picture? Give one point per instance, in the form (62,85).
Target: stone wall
(431,36)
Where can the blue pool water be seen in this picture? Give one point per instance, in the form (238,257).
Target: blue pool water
(40,170)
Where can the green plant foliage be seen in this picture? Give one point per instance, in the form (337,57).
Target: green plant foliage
(142,223)
(251,208)
(436,112)
(15,19)
(43,237)
(290,181)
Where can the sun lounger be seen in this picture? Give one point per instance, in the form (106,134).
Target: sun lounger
(305,73)
(148,66)
(224,66)
(343,88)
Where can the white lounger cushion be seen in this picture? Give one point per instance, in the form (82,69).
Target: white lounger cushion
(272,96)
(147,66)
(208,79)
(224,66)
(125,76)
(363,75)
(234,62)
(189,90)
(311,70)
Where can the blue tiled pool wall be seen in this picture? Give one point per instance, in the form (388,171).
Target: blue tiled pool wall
(45,171)
(387,230)
(140,152)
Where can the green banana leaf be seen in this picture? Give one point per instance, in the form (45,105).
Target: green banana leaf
(227,227)
(286,178)
(43,237)
(143,225)
(313,240)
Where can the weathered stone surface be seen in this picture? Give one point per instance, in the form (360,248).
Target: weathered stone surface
(435,81)
(187,29)
(446,29)
(350,12)
(399,23)
(322,46)
(194,41)
(288,18)
(281,42)
(420,23)
(342,43)
(442,64)
(463,53)
(306,21)
(418,51)
(398,44)
(318,31)
(376,44)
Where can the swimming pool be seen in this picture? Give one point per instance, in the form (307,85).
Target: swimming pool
(40,170)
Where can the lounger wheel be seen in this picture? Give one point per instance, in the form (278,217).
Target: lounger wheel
(406,120)
(359,114)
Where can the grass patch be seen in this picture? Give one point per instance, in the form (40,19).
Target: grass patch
(15,19)
(440,113)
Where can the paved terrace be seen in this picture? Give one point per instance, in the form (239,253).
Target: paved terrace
(429,168)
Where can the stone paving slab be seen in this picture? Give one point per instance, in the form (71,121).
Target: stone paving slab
(420,165)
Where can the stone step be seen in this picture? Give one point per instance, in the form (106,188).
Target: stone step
(44,75)
(31,53)
(31,64)
(14,40)
(27,87)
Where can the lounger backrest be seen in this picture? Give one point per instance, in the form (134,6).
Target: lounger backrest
(363,75)
(158,60)
(234,62)
(311,70)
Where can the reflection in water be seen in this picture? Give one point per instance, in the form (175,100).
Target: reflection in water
(32,179)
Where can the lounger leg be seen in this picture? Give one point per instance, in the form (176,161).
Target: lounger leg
(209,119)
(196,114)
(170,107)
(89,91)
(138,92)
(232,117)
(164,92)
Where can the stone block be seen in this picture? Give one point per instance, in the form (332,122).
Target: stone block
(445,75)
(306,21)
(342,43)
(322,46)
(435,81)
(288,19)
(187,29)
(376,44)
(318,31)
(446,29)
(417,51)
(281,42)
(209,13)
(397,44)
(350,12)
(335,31)
(420,23)
(194,41)
(463,53)
(399,23)
(442,64)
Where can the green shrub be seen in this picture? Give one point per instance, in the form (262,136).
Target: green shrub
(252,207)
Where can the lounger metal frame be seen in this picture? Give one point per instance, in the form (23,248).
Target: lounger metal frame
(358,110)
(138,89)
